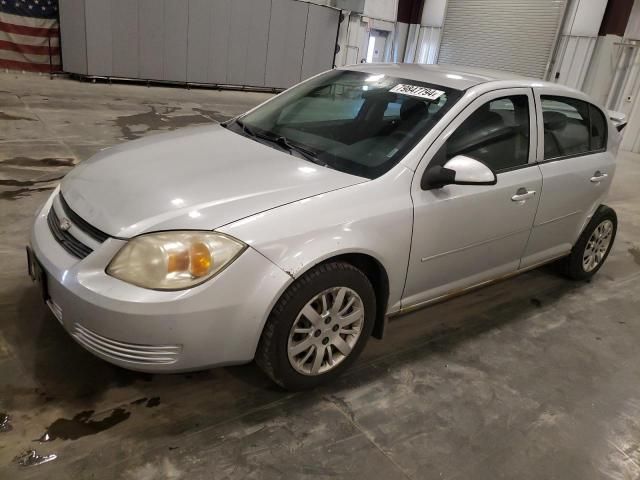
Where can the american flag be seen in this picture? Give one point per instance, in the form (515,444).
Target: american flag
(29,35)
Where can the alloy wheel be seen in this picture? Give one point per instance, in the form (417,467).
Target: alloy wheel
(597,246)
(325,331)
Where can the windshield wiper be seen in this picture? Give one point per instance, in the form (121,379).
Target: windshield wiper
(245,129)
(283,142)
(306,153)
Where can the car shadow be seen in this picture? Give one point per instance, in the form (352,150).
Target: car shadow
(54,366)
(58,371)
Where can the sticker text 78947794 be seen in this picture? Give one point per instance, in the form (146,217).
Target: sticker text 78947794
(417,91)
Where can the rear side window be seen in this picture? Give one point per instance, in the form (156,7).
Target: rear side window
(571,127)
(497,134)
(598,129)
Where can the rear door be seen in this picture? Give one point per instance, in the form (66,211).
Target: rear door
(464,235)
(576,168)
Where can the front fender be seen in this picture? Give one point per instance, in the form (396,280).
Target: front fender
(373,218)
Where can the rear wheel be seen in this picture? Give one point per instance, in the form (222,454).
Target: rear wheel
(593,246)
(318,327)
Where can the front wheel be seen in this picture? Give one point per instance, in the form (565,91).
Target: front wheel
(593,246)
(318,327)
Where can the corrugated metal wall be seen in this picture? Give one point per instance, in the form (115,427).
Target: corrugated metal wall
(74,34)
(514,35)
(574,55)
(577,42)
(258,43)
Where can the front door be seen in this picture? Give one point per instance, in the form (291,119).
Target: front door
(464,235)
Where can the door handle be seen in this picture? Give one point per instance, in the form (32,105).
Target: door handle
(598,177)
(522,195)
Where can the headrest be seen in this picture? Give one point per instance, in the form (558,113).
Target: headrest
(554,120)
(413,109)
(487,118)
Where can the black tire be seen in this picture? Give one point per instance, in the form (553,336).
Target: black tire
(271,355)
(573,264)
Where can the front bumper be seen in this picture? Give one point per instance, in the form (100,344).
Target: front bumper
(216,323)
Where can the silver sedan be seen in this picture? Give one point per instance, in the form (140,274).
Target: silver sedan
(289,234)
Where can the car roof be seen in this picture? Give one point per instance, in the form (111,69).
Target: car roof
(451,76)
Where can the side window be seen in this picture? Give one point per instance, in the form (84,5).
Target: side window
(598,128)
(497,134)
(571,127)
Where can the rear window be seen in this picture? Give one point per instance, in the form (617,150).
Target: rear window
(598,129)
(571,127)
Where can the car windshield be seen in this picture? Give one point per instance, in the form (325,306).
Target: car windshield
(355,122)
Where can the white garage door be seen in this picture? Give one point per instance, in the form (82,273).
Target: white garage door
(513,35)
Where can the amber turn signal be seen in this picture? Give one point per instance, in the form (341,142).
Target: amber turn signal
(201,260)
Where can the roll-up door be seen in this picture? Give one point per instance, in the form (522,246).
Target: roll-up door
(514,35)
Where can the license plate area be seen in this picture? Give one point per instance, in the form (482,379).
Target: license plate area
(37,274)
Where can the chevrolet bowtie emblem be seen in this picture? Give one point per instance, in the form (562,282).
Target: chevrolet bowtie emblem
(64,224)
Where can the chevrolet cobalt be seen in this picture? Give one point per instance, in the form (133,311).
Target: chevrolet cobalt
(288,234)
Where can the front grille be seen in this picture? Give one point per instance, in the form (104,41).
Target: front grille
(64,238)
(126,352)
(90,230)
(70,243)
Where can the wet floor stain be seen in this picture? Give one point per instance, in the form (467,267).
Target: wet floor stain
(5,423)
(10,182)
(150,402)
(83,425)
(7,116)
(27,187)
(212,114)
(40,169)
(137,125)
(635,252)
(31,458)
(22,192)
(38,162)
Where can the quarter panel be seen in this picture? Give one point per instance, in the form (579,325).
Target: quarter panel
(373,218)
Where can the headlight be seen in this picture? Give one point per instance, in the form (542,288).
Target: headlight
(174,260)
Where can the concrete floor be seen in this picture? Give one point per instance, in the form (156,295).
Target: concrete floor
(532,378)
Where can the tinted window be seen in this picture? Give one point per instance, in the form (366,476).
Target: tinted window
(497,134)
(571,127)
(598,128)
(352,121)
(333,102)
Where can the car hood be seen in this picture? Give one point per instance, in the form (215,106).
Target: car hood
(193,178)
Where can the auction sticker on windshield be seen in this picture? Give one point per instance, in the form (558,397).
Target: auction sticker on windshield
(416,91)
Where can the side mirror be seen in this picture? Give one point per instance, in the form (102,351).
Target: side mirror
(460,170)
